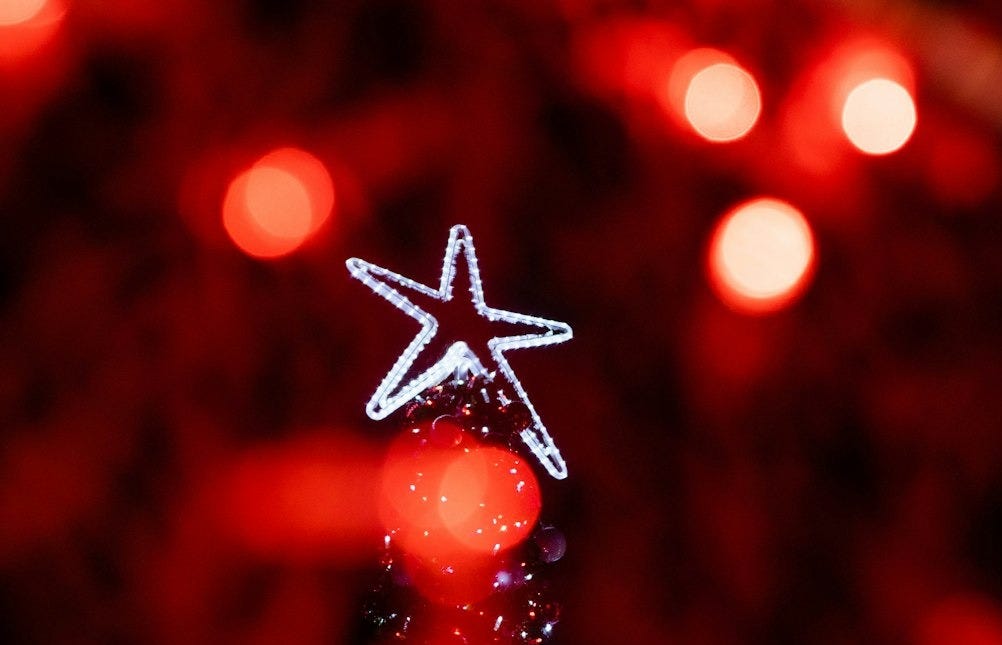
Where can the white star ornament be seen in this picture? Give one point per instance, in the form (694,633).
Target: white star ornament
(399,386)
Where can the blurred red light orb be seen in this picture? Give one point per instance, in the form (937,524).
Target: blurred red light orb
(718,98)
(273,207)
(27,27)
(761,256)
(410,497)
(490,499)
(311,498)
(879,116)
(14,12)
(457,504)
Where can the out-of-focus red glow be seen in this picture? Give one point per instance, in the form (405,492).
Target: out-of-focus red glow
(962,620)
(27,25)
(813,118)
(311,499)
(456,505)
(490,499)
(410,498)
(277,204)
(627,57)
(13,12)
(879,116)
(761,256)
(716,97)
(452,508)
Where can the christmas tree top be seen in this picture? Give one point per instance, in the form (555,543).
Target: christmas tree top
(405,381)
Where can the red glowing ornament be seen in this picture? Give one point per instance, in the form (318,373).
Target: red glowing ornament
(411,498)
(463,549)
(490,499)
(457,503)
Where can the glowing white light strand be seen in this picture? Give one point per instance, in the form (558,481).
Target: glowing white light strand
(458,358)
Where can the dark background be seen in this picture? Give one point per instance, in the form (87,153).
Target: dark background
(180,419)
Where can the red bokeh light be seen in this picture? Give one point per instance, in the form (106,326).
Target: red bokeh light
(879,116)
(714,95)
(856,62)
(309,499)
(14,12)
(273,207)
(410,499)
(27,25)
(490,499)
(761,256)
(815,116)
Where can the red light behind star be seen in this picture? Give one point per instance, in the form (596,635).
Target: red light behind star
(491,499)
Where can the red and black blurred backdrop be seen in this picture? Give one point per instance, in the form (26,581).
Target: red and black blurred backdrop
(184,454)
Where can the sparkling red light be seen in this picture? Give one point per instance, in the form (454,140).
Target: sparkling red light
(490,499)
(761,256)
(457,502)
(273,207)
(410,498)
(718,98)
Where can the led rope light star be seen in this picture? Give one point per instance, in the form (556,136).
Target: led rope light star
(458,358)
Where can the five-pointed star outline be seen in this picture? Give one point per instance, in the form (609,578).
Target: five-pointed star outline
(458,358)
